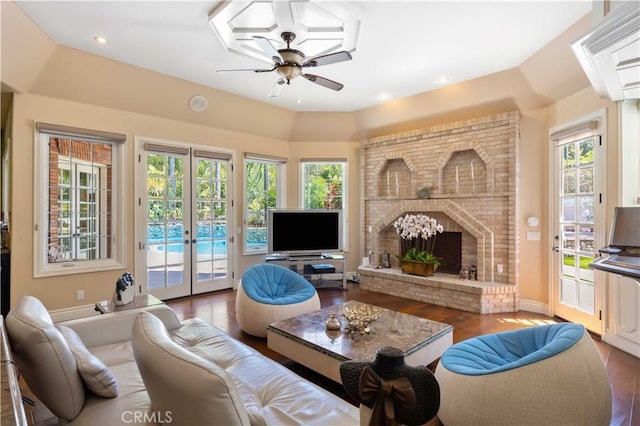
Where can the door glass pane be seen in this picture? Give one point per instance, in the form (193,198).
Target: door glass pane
(587,235)
(586,294)
(165,221)
(568,153)
(569,182)
(586,208)
(568,292)
(568,209)
(568,265)
(586,180)
(211,220)
(586,151)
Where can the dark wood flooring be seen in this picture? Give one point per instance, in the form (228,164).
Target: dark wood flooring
(623,369)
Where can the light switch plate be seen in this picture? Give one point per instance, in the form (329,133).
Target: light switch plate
(533,236)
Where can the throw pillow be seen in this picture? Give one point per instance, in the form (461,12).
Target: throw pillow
(96,376)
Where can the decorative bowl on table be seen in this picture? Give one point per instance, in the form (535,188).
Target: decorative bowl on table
(359,317)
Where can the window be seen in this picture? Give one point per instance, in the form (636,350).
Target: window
(263,177)
(79,201)
(323,187)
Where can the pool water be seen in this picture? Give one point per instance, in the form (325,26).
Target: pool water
(203,247)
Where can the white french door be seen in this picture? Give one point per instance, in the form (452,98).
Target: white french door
(578,229)
(184,243)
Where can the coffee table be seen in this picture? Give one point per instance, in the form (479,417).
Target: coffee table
(306,340)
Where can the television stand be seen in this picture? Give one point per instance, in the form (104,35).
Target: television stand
(325,270)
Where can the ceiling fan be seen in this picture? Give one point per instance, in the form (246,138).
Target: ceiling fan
(290,62)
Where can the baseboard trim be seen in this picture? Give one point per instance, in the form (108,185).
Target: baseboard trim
(66,314)
(535,306)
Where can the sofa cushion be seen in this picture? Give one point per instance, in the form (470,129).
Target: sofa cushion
(271,393)
(132,405)
(276,285)
(96,376)
(44,358)
(498,352)
(192,389)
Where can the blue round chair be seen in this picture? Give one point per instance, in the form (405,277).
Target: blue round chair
(269,293)
(545,375)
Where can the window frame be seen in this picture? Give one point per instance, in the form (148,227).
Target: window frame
(345,200)
(280,164)
(41,266)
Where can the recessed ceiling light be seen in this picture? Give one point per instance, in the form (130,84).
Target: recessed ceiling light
(442,80)
(384,97)
(298,101)
(100,39)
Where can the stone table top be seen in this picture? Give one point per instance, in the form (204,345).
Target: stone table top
(405,332)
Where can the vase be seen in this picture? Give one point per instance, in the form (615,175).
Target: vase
(417,268)
(333,323)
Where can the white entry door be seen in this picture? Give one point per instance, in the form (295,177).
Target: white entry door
(578,230)
(184,243)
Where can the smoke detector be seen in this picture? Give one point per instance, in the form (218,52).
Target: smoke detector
(198,103)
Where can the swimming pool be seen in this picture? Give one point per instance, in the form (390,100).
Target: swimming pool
(218,247)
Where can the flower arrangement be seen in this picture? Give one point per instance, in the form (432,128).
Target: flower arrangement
(418,233)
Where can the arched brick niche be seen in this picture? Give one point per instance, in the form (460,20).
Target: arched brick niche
(466,171)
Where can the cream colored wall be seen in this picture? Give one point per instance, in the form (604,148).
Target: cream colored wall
(58,292)
(532,150)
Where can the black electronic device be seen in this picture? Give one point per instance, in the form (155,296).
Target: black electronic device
(624,244)
(304,232)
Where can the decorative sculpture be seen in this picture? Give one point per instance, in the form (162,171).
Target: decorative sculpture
(390,391)
(125,290)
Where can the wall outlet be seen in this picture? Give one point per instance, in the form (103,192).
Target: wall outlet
(500,268)
(80,295)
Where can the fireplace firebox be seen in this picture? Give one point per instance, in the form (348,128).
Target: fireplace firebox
(448,248)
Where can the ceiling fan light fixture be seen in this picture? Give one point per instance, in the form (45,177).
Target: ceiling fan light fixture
(289,72)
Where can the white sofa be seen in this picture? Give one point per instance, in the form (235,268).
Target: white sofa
(209,377)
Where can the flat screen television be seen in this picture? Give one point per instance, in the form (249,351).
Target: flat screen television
(303,232)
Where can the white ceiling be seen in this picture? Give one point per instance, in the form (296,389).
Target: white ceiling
(402,48)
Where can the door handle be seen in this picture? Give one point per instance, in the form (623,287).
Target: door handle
(186,241)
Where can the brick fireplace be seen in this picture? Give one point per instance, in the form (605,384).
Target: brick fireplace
(465,174)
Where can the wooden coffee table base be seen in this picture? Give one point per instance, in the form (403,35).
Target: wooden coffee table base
(304,339)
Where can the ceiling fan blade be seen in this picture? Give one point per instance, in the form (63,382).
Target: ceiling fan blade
(331,58)
(277,88)
(268,48)
(246,69)
(325,82)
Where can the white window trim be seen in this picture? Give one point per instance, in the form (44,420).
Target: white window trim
(41,266)
(281,165)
